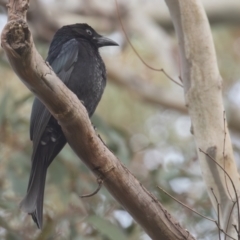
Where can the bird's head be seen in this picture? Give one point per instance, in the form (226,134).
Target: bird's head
(83,30)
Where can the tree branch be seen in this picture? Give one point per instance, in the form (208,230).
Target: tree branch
(154,95)
(146,91)
(19,47)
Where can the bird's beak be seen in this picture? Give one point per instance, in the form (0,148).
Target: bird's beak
(103,41)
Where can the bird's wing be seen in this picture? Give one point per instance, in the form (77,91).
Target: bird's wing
(64,62)
(62,65)
(39,119)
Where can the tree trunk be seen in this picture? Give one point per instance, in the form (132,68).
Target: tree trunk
(203,96)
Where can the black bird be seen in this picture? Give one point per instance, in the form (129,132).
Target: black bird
(74,57)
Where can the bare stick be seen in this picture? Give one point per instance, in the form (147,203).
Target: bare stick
(218,214)
(226,234)
(229,218)
(210,219)
(100,182)
(138,55)
(233,185)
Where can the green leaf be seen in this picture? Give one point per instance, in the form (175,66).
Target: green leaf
(106,228)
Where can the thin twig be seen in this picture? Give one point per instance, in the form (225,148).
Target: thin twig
(138,55)
(230,214)
(226,234)
(235,191)
(236,229)
(100,182)
(210,219)
(218,214)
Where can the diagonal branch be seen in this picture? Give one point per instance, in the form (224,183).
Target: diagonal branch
(19,47)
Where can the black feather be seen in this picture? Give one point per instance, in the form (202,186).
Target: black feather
(74,57)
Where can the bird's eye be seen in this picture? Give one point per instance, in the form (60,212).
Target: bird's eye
(89,32)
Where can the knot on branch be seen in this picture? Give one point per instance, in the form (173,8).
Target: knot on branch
(17,36)
(17,9)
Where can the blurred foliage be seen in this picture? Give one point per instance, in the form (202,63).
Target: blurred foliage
(154,143)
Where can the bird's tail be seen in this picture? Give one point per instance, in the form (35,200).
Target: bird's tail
(33,201)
